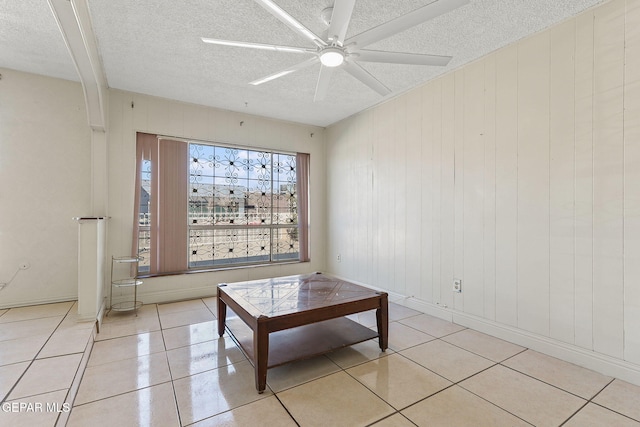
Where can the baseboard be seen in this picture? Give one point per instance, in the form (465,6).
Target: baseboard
(101,312)
(39,301)
(158,297)
(589,359)
(598,362)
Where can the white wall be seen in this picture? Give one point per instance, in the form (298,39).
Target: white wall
(45,177)
(520,175)
(172,118)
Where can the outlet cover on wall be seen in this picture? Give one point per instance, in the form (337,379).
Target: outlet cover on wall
(457,285)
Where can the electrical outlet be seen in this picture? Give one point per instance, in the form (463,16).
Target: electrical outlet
(24,265)
(457,285)
(339,258)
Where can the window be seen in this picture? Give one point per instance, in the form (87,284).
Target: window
(203,206)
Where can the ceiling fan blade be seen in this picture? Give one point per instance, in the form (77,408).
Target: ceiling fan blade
(290,21)
(323,83)
(342,10)
(365,77)
(309,62)
(405,22)
(401,58)
(260,46)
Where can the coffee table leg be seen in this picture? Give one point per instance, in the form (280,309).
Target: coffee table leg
(222,315)
(382,319)
(261,354)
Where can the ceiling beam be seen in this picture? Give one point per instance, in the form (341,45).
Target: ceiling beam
(74,23)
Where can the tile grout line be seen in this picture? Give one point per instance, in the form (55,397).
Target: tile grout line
(285,408)
(396,411)
(607,408)
(453,383)
(173,386)
(544,382)
(4,399)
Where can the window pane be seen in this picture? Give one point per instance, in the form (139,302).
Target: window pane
(284,189)
(144,217)
(144,249)
(237,199)
(285,244)
(209,248)
(201,184)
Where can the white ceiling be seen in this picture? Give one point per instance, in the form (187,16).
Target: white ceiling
(153,47)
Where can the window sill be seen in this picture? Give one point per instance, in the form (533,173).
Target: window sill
(218,269)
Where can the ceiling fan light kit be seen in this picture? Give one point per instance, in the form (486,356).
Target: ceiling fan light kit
(331,52)
(331,57)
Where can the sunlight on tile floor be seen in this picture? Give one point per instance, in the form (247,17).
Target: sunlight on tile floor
(166,366)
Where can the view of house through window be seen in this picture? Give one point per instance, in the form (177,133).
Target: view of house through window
(242,208)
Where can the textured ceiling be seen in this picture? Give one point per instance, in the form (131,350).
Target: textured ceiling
(154,47)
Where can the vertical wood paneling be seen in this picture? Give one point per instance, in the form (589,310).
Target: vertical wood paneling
(489,231)
(458,188)
(533,184)
(520,176)
(632,184)
(562,172)
(507,186)
(448,200)
(335,171)
(376,189)
(415,175)
(363,197)
(400,202)
(385,174)
(472,183)
(368,137)
(583,245)
(608,184)
(436,194)
(348,209)
(423,196)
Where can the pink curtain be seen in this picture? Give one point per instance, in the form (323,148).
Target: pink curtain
(302,184)
(169,199)
(167,202)
(172,206)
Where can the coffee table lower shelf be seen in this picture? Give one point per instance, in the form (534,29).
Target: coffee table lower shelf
(302,342)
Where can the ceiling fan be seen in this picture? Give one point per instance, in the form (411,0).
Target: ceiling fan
(333,50)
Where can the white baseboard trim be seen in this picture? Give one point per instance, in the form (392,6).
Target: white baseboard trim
(598,362)
(101,313)
(159,297)
(39,301)
(589,359)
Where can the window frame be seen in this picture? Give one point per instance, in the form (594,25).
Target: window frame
(211,264)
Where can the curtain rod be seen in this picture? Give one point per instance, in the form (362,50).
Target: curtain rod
(226,144)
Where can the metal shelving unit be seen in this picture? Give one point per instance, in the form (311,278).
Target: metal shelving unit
(129,280)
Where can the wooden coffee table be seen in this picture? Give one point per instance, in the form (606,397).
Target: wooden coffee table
(291,318)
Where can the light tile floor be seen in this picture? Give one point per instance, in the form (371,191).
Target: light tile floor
(42,350)
(167,367)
